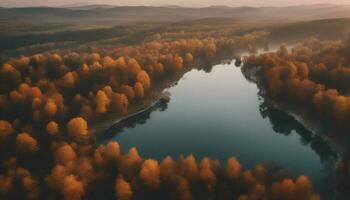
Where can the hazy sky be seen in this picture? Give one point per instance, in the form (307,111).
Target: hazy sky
(191,3)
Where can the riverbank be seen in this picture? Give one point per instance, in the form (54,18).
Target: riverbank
(158,91)
(101,125)
(303,115)
(153,97)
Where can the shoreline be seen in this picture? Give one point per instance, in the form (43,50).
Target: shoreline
(102,125)
(154,96)
(304,116)
(316,128)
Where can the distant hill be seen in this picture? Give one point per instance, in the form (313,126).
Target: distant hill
(82,6)
(65,36)
(16,22)
(325,29)
(97,14)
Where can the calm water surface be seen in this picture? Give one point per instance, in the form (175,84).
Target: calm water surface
(220,114)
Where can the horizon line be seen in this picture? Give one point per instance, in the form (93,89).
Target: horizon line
(76,5)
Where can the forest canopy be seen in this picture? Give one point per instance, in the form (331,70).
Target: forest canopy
(49,102)
(313,73)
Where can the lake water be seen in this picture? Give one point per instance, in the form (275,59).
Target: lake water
(220,114)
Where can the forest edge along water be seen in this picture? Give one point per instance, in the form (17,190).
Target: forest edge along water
(135,103)
(161,128)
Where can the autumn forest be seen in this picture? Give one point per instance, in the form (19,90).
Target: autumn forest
(129,103)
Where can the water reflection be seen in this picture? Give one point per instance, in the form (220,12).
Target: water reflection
(219,114)
(286,124)
(281,122)
(132,121)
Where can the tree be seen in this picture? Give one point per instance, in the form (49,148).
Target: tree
(150,174)
(206,173)
(128,91)
(303,188)
(189,167)
(130,163)
(73,60)
(303,70)
(26,144)
(133,68)
(102,102)
(120,102)
(6,130)
(10,78)
(233,168)
(77,128)
(72,188)
(143,78)
(139,91)
(92,58)
(167,167)
(113,150)
(50,107)
(69,80)
(56,178)
(189,57)
(52,128)
(178,63)
(64,154)
(123,189)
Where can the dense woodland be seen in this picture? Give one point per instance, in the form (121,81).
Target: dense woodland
(48,102)
(313,73)
(66,70)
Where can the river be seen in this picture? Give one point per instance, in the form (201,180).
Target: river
(220,114)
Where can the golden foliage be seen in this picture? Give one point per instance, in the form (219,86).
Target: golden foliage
(26,144)
(77,128)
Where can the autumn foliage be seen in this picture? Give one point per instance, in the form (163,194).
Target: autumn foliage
(314,73)
(187,178)
(49,102)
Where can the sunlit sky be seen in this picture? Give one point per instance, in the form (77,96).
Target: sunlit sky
(185,3)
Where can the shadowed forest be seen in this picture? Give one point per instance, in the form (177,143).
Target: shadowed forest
(73,76)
